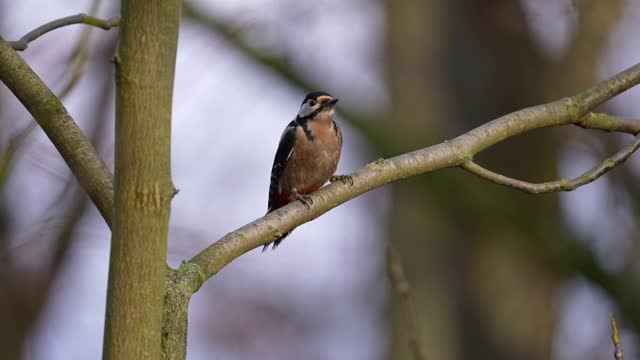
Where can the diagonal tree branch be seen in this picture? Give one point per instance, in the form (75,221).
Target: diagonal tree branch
(24,41)
(559,185)
(79,59)
(77,151)
(455,152)
(192,274)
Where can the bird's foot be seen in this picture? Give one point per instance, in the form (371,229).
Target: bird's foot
(346,179)
(305,199)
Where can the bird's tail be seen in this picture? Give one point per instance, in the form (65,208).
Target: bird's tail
(277,242)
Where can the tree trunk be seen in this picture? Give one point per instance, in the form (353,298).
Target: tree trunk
(145,67)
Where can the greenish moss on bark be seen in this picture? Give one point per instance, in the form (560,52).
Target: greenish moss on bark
(180,284)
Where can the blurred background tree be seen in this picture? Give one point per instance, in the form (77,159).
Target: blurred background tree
(493,272)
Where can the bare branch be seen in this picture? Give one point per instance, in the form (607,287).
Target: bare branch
(617,353)
(609,123)
(79,60)
(455,152)
(77,151)
(24,41)
(402,288)
(559,185)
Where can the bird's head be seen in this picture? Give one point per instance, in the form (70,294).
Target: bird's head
(316,103)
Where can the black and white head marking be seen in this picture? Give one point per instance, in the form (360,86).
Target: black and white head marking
(312,105)
(307,108)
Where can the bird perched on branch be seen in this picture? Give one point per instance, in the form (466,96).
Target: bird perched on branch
(307,155)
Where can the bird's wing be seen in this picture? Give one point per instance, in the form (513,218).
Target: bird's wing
(338,131)
(285,147)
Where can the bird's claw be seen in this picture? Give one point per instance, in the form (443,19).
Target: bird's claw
(305,199)
(346,179)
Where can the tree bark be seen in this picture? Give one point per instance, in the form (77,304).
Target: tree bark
(145,67)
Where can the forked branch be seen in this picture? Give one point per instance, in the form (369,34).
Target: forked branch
(452,153)
(559,185)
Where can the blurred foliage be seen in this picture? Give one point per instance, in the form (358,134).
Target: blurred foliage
(26,285)
(483,261)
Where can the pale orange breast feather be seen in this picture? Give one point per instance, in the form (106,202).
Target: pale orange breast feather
(312,162)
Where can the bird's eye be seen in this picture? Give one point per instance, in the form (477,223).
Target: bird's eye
(312,102)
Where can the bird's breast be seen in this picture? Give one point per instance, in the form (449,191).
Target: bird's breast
(313,159)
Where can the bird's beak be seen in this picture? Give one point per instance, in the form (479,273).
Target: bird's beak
(332,102)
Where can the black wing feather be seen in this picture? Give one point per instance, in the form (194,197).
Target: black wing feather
(287,141)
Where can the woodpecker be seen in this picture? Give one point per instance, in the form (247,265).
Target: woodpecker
(307,155)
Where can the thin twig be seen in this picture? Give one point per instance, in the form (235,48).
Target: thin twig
(80,54)
(8,156)
(617,353)
(24,41)
(402,288)
(559,185)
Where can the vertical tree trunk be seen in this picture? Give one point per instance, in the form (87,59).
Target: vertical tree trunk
(496,68)
(415,83)
(143,189)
